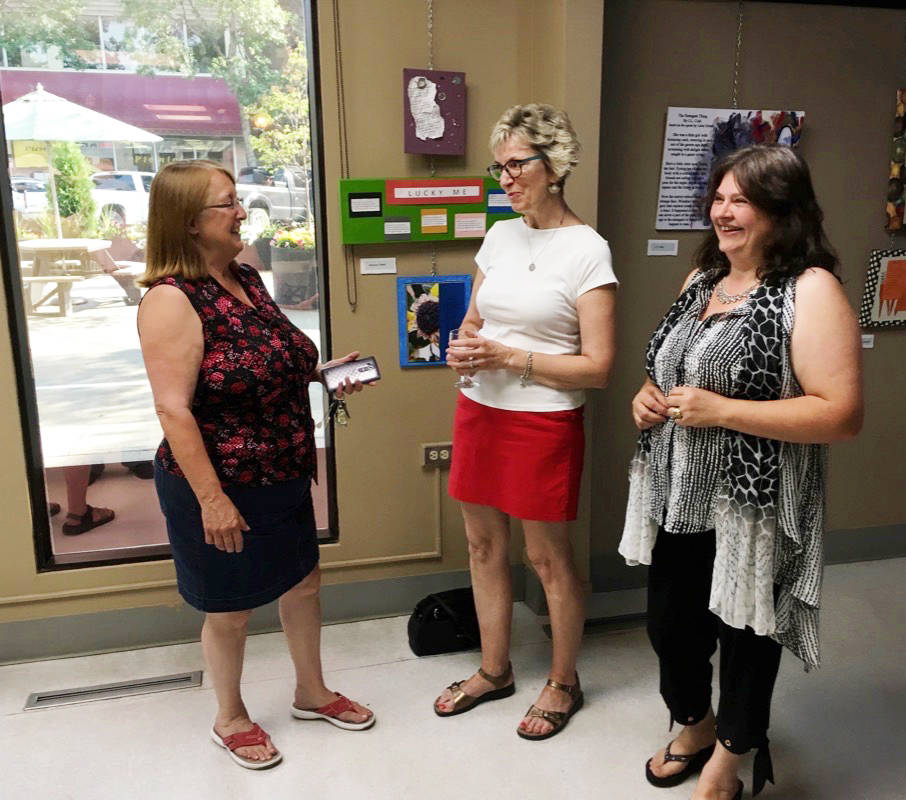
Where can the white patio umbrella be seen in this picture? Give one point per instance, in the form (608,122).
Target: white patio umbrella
(45,117)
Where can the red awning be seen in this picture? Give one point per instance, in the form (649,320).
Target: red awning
(163,104)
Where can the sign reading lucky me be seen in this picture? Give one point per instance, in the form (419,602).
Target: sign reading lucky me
(435,190)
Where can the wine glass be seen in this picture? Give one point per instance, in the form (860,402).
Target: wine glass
(464,381)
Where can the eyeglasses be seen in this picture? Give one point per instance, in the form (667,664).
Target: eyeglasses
(233,204)
(513,167)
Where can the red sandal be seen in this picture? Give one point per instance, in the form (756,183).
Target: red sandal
(331,713)
(250,738)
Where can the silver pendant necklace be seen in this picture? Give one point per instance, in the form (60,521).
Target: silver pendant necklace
(534,257)
(729,299)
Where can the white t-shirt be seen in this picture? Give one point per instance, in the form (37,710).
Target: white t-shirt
(535,309)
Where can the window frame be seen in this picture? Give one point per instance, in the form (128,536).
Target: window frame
(26,393)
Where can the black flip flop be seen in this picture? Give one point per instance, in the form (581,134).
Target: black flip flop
(694,763)
(86,522)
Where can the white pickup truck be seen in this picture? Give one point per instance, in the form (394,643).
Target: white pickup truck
(29,197)
(277,196)
(123,195)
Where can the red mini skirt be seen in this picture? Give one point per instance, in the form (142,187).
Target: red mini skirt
(527,464)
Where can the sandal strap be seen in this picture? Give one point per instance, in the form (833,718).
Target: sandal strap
(337,707)
(572,689)
(459,695)
(245,738)
(498,681)
(668,756)
(84,517)
(555,718)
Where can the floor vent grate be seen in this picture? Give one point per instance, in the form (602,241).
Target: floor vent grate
(110,691)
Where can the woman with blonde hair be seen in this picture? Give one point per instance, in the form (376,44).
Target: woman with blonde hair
(230,376)
(538,332)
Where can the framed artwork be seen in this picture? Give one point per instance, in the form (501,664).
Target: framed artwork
(434,112)
(694,138)
(884,298)
(428,307)
(896,198)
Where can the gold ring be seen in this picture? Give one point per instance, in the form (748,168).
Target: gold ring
(471,363)
(675,412)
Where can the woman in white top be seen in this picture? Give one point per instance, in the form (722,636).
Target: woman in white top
(538,332)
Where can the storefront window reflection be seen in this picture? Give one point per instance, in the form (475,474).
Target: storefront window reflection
(164,81)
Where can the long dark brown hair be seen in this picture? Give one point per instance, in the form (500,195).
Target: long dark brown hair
(775,180)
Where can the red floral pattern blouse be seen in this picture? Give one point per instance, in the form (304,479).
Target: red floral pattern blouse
(251,399)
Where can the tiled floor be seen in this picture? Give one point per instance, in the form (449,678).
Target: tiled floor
(838,733)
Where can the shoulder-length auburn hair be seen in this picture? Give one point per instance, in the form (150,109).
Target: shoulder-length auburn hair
(178,195)
(776,181)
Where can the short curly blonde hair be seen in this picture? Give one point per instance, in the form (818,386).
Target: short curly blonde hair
(545,128)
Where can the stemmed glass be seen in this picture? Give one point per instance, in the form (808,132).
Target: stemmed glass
(464,381)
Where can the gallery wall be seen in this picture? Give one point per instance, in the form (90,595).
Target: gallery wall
(842,66)
(396,522)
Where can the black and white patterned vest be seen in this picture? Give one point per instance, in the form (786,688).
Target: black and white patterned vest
(764,498)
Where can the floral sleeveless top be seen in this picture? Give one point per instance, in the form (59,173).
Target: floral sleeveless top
(251,399)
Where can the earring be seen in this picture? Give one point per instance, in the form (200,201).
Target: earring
(553,188)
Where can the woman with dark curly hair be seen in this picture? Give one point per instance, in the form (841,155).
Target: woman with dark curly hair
(754,368)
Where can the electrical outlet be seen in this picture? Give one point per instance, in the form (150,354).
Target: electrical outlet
(437,454)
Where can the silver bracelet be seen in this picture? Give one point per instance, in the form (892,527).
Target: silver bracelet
(527,372)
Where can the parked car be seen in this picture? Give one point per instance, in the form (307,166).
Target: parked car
(123,195)
(277,196)
(29,196)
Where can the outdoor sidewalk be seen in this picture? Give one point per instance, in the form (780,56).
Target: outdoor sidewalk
(94,400)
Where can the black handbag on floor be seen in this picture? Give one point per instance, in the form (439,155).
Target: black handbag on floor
(444,622)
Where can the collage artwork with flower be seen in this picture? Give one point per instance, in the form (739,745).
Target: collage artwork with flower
(423,321)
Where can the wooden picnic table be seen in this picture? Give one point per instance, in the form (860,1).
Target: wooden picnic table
(56,256)
(61,262)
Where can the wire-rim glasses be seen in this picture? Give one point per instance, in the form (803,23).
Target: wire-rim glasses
(513,167)
(233,204)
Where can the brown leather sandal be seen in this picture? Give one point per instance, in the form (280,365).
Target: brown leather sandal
(463,702)
(556,718)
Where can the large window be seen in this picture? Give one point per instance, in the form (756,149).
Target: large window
(205,80)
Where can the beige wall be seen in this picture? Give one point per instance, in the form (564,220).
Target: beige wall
(395,518)
(842,66)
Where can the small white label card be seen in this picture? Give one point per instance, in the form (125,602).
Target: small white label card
(377,266)
(868,341)
(397,228)
(663,247)
(469,226)
(498,202)
(365,204)
(434,220)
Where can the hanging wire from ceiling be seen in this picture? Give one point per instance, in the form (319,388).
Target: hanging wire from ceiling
(738,55)
(429,8)
(352,289)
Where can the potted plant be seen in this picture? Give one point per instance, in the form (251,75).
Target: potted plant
(261,241)
(294,267)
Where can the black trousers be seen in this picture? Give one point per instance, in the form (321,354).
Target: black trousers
(685,634)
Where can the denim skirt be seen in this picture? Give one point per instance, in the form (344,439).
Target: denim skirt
(279,549)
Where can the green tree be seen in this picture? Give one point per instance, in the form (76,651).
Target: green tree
(45,24)
(244,43)
(280,117)
(74,185)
